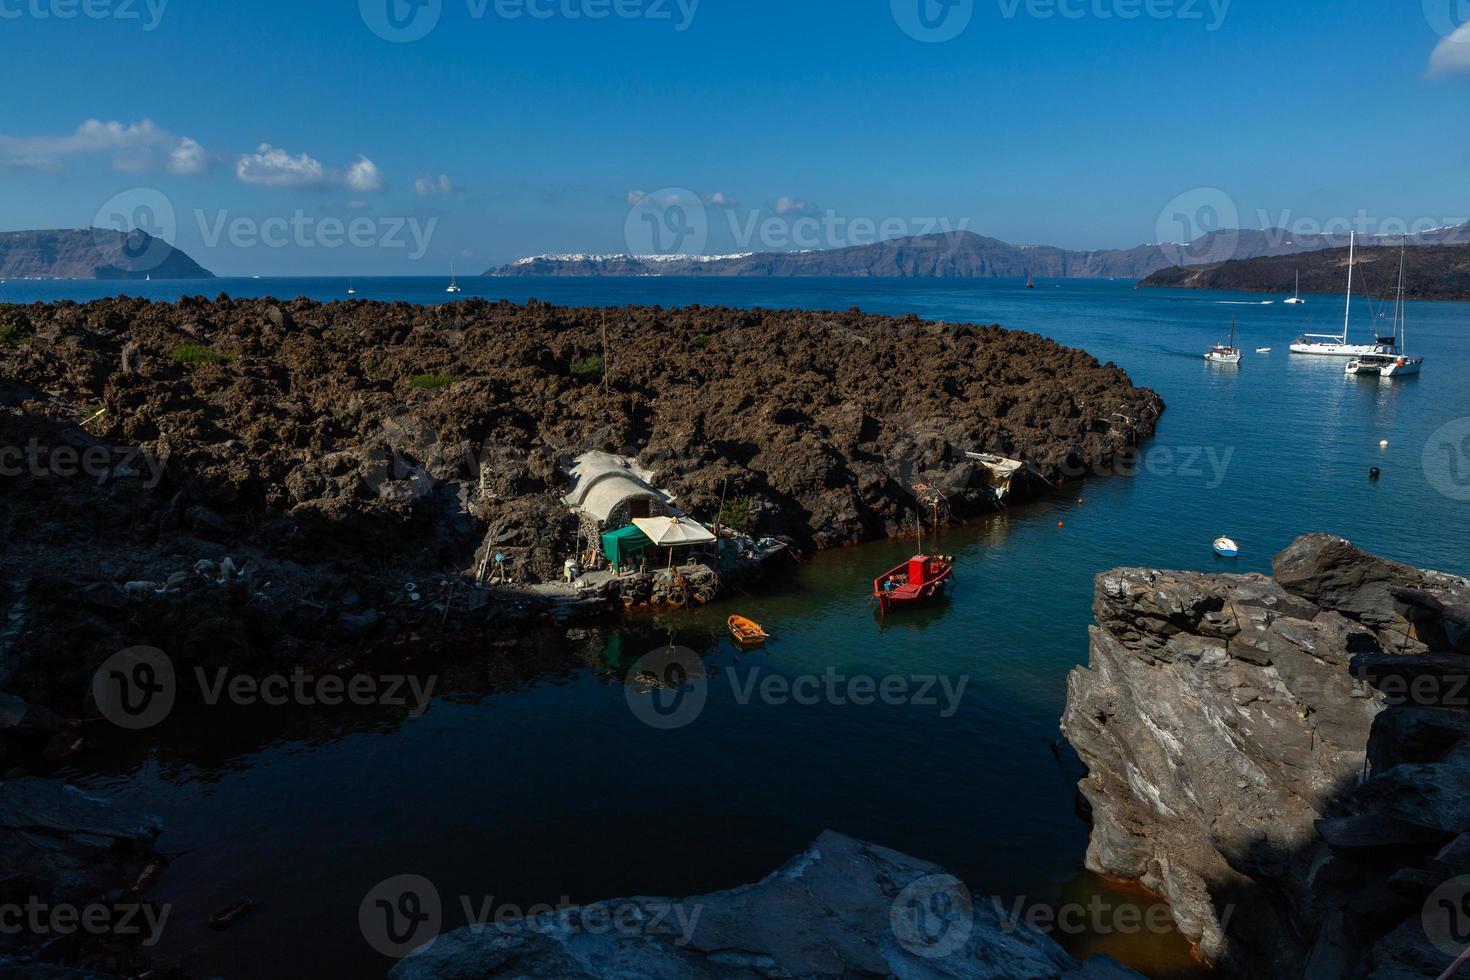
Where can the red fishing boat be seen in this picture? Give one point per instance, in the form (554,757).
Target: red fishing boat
(921,578)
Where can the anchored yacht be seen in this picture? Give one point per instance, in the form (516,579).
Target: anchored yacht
(1331,344)
(1388,359)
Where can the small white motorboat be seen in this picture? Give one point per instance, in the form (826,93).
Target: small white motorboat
(1226,547)
(1263,350)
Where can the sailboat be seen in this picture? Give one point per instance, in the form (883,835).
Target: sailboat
(1388,359)
(1296,299)
(453,284)
(1225,353)
(1331,344)
(1030,281)
(350,290)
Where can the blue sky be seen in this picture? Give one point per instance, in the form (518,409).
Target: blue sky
(1068,122)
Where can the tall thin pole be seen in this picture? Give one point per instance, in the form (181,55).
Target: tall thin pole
(1347,316)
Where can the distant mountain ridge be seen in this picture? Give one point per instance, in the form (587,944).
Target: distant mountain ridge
(1430,272)
(93,253)
(962,255)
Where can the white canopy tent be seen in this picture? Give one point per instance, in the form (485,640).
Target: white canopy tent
(672,532)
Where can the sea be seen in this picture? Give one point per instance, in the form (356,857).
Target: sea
(551,783)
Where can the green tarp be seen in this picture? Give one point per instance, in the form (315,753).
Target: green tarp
(624,546)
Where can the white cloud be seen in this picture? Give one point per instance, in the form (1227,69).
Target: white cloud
(792,205)
(1452,56)
(636,198)
(270,166)
(188,158)
(365,177)
(139,146)
(427,185)
(722,200)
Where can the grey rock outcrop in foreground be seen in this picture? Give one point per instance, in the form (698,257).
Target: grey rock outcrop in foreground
(828,913)
(1285,760)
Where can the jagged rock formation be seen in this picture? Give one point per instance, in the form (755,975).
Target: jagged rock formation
(834,911)
(93,253)
(304,461)
(63,848)
(1252,758)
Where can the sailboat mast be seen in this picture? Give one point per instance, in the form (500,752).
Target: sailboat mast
(1347,316)
(1403,313)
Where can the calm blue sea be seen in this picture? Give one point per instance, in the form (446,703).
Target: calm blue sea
(558,789)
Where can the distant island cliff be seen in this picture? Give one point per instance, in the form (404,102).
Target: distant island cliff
(961,255)
(93,253)
(1430,272)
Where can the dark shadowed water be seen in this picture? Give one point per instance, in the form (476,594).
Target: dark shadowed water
(542,781)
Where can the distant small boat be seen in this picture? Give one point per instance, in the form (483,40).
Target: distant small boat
(350,290)
(453,283)
(1226,548)
(1263,350)
(1225,353)
(921,578)
(1296,299)
(747,631)
(1030,282)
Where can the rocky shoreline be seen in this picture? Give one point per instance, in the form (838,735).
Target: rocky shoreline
(1286,760)
(260,484)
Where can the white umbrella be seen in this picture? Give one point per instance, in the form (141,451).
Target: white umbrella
(671,532)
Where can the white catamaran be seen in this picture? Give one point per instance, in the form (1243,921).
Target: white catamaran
(1388,359)
(1331,344)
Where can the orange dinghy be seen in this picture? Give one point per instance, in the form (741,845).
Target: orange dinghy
(747,631)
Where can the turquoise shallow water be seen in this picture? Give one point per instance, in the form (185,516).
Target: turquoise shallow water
(553,787)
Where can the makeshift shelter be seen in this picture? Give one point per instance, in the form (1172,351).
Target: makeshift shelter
(624,547)
(608,491)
